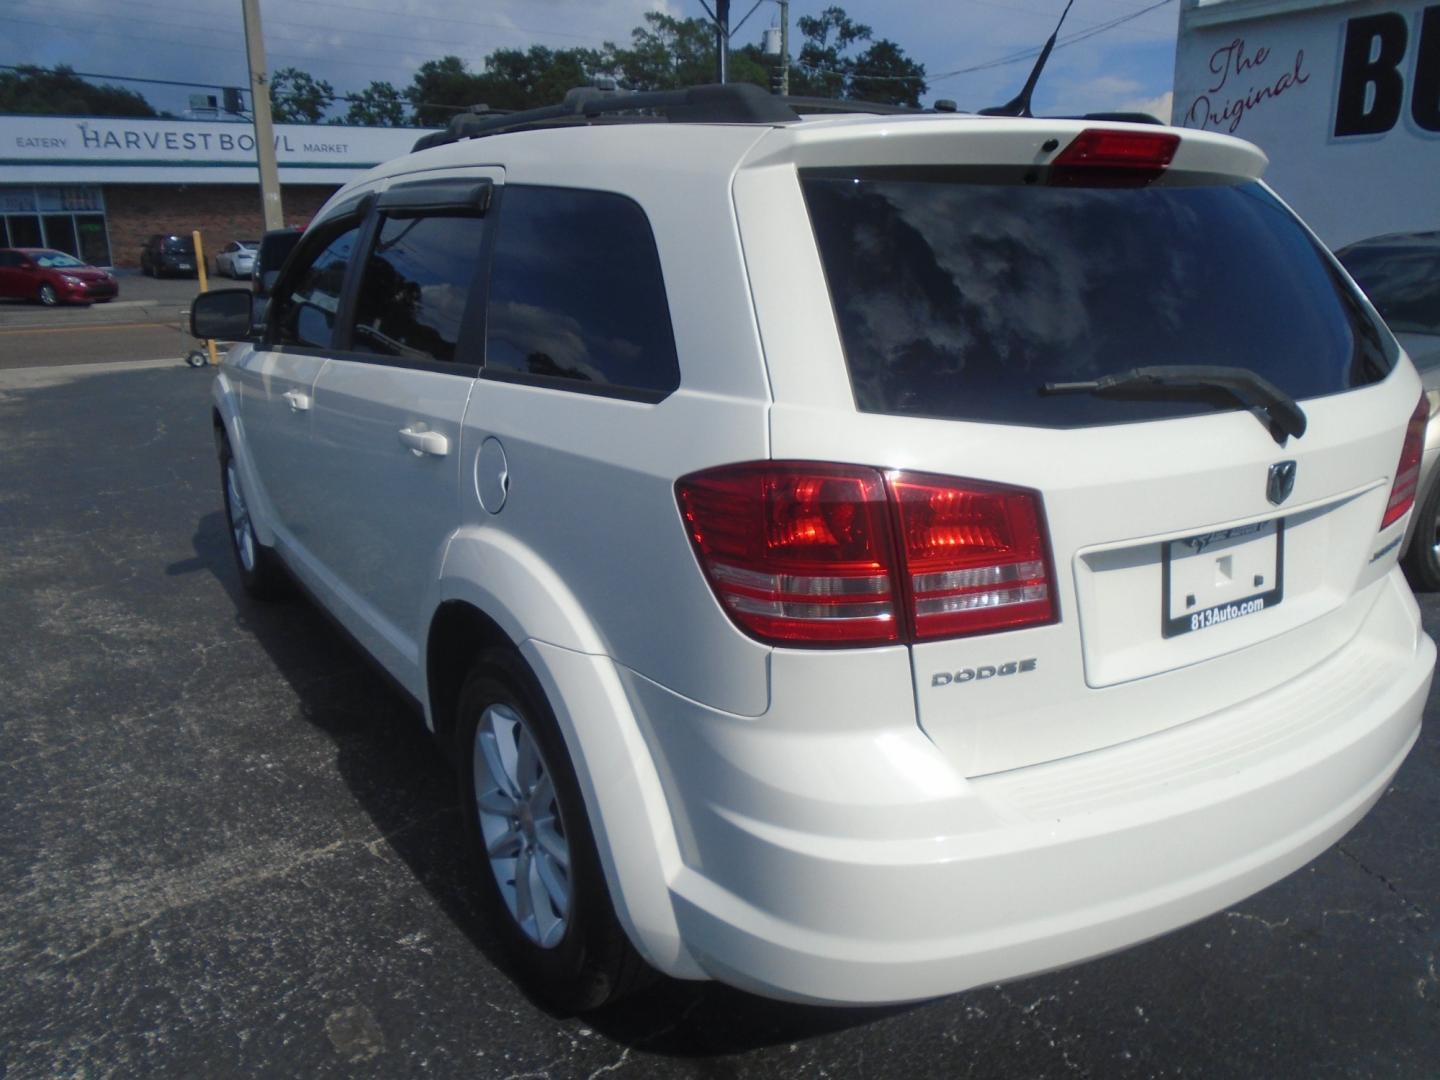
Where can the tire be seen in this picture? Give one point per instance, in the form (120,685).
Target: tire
(1422,560)
(261,575)
(47,295)
(560,931)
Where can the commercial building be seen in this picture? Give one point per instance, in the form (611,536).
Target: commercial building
(1343,95)
(98,186)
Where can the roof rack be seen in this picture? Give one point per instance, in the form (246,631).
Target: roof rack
(728,103)
(731,103)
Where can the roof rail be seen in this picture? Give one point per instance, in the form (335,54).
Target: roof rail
(731,103)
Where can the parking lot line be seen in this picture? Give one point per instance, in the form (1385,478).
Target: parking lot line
(78,329)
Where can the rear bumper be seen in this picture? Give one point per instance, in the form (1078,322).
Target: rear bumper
(970,882)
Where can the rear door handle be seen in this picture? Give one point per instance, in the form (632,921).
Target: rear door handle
(299,401)
(425,442)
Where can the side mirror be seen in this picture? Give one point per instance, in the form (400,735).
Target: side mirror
(223,314)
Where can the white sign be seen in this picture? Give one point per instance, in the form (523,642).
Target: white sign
(67,149)
(1344,98)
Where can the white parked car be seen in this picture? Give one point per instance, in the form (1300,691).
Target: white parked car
(855,558)
(237,258)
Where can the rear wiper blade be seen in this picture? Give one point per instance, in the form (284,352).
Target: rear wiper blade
(1253,391)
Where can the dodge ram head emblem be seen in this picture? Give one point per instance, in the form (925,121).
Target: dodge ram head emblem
(1281,482)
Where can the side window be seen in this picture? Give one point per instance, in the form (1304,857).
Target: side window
(305,313)
(415,285)
(576,293)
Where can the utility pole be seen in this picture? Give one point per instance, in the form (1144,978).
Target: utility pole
(722,40)
(260,110)
(784,48)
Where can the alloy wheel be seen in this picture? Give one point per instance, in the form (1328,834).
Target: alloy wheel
(521,825)
(240,529)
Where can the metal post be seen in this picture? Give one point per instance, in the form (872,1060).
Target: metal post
(784,48)
(204,285)
(722,40)
(260,110)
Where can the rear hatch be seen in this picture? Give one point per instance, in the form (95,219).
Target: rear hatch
(1199,555)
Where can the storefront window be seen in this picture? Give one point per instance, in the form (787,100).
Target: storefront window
(60,233)
(23,230)
(67,217)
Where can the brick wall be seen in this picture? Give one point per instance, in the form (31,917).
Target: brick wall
(221,213)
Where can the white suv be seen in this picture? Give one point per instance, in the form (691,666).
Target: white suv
(856,558)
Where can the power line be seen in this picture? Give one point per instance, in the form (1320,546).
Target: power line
(210,86)
(1000,61)
(1073,39)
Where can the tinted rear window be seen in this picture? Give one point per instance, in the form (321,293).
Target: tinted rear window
(577,300)
(179,245)
(957,296)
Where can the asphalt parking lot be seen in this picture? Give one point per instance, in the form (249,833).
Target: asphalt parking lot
(230,850)
(148,319)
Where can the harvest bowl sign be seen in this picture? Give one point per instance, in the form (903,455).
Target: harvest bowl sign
(65,148)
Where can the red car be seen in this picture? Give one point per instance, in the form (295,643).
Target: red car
(53,277)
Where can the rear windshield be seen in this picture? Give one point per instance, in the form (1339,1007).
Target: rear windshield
(178,244)
(959,293)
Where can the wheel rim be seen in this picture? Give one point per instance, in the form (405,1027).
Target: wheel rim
(240,531)
(521,825)
(47,295)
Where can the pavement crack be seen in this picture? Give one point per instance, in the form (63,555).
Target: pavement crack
(1257,919)
(1048,1031)
(199,896)
(618,1063)
(1414,908)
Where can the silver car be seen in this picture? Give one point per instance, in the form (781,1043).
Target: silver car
(1400,273)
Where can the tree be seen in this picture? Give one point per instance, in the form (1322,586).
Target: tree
(824,70)
(60,91)
(528,79)
(884,73)
(297,97)
(826,66)
(669,53)
(378,105)
(443,82)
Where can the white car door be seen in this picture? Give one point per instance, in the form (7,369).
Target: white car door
(277,381)
(388,412)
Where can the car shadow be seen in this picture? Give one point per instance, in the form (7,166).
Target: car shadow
(401,778)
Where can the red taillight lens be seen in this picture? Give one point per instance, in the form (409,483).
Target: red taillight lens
(1101,157)
(1407,472)
(804,553)
(797,552)
(976,556)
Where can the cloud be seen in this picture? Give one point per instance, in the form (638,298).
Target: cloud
(1160,107)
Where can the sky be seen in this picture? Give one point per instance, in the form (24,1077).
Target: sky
(351,42)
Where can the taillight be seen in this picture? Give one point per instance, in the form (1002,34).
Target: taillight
(1407,472)
(797,552)
(976,556)
(805,553)
(1099,157)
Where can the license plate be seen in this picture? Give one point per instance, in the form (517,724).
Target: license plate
(1220,576)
